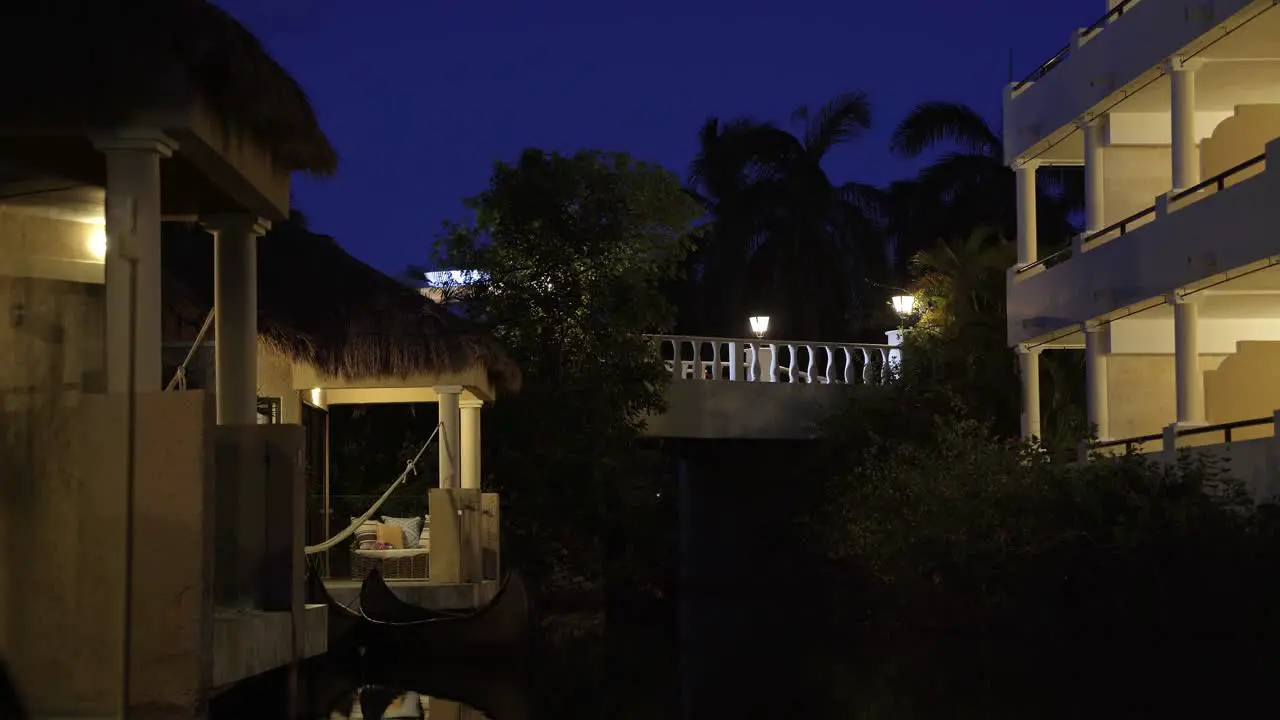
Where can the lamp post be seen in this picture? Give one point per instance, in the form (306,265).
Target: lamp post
(904,305)
(759,359)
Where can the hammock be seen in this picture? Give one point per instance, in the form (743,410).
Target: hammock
(179,380)
(411,467)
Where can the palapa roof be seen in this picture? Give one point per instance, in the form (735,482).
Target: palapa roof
(95,63)
(318,304)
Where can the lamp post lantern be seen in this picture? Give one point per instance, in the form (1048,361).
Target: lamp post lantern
(759,325)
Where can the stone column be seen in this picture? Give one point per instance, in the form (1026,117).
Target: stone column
(1027,239)
(1095,370)
(1186,347)
(235,314)
(1094,209)
(1029,372)
(133,256)
(450,438)
(470,441)
(1182,127)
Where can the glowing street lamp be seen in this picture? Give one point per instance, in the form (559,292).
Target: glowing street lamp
(904,305)
(759,325)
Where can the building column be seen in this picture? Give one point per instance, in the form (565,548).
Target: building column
(133,257)
(469,439)
(1182,113)
(1027,231)
(1186,348)
(1029,372)
(1095,371)
(450,438)
(1094,210)
(235,315)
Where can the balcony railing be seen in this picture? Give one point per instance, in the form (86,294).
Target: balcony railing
(1182,198)
(773,361)
(1048,65)
(1226,431)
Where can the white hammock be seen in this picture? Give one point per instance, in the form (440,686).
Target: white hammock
(412,467)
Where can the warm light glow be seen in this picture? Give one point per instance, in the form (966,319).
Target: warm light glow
(904,305)
(97,244)
(315,396)
(759,324)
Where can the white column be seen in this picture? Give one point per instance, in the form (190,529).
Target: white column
(1027,239)
(1186,348)
(235,315)
(133,242)
(1095,371)
(1094,210)
(1182,112)
(1029,372)
(470,441)
(450,438)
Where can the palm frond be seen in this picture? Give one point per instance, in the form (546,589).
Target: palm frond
(840,120)
(932,123)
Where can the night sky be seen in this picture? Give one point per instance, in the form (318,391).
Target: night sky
(422,96)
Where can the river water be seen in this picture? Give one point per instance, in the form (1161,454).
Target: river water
(743,656)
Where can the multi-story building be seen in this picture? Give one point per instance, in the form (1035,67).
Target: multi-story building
(1172,108)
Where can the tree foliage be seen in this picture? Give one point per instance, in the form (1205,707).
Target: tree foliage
(571,253)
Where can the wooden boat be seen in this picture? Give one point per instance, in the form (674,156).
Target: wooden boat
(386,626)
(503,627)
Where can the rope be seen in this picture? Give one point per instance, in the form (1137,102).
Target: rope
(180,377)
(410,467)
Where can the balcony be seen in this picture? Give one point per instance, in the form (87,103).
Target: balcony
(1204,236)
(1120,54)
(743,388)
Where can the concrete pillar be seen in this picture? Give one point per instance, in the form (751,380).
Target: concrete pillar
(894,339)
(1029,372)
(450,438)
(469,441)
(235,315)
(1027,239)
(1094,209)
(133,254)
(1182,111)
(1186,348)
(1095,370)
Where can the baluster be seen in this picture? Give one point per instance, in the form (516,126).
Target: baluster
(735,361)
(675,357)
(753,362)
(848,365)
(808,369)
(696,366)
(773,363)
(715,360)
(831,361)
(867,370)
(885,371)
(791,363)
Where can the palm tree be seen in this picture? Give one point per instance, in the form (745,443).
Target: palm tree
(968,186)
(782,237)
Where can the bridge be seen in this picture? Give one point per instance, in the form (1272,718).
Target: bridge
(757,389)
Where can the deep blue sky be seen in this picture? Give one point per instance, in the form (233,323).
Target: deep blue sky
(422,96)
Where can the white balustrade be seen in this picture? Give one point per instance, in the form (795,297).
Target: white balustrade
(750,360)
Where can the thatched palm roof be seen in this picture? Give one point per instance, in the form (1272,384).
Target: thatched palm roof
(95,63)
(319,305)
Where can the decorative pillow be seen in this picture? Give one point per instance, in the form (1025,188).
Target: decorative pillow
(410,526)
(366,535)
(392,535)
(424,537)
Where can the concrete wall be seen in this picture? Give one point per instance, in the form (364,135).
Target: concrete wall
(744,410)
(1134,176)
(1240,137)
(62,507)
(1141,394)
(49,248)
(1246,385)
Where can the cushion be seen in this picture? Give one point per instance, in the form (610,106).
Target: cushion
(391,535)
(366,535)
(411,527)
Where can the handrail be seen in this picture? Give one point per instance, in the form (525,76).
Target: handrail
(1226,427)
(1220,179)
(1128,443)
(1048,65)
(1048,260)
(769,341)
(1121,225)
